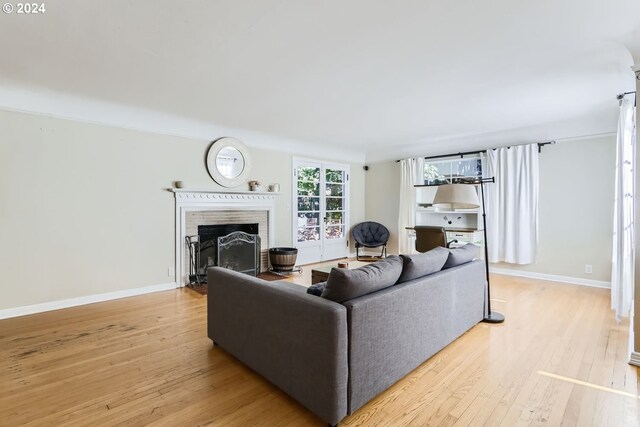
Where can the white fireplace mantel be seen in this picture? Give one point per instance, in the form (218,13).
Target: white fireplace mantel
(188,200)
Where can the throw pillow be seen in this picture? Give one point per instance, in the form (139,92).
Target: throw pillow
(418,265)
(461,255)
(344,285)
(316,289)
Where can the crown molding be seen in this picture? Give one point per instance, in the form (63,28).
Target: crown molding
(47,103)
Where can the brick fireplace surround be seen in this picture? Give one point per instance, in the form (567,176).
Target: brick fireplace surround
(214,207)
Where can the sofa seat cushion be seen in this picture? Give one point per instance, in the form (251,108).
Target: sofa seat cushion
(344,285)
(461,255)
(423,264)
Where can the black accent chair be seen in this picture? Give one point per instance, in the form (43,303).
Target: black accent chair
(370,234)
(428,237)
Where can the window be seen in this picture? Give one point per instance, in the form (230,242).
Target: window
(451,171)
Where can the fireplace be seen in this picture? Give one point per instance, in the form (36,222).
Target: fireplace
(196,208)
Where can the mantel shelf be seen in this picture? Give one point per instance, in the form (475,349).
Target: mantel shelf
(194,190)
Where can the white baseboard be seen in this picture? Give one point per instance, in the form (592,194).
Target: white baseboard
(89,299)
(634,359)
(552,277)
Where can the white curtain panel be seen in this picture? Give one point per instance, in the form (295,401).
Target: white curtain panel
(411,171)
(512,204)
(622,271)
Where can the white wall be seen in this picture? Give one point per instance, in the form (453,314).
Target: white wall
(84,208)
(576,207)
(383,198)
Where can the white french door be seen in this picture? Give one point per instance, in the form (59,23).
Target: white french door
(321,210)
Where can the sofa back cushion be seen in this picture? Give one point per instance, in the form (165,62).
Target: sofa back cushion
(423,264)
(461,255)
(344,285)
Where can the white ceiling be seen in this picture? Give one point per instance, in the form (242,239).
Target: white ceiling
(389,78)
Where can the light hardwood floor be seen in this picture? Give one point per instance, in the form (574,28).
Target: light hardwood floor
(558,360)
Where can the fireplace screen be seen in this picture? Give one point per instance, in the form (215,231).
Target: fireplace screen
(208,236)
(240,251)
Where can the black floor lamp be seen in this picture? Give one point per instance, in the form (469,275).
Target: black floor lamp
(491,316)
(459,196)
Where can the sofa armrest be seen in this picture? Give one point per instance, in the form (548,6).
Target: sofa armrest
(295,340)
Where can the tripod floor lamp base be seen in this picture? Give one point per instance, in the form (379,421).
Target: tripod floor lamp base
(494,317)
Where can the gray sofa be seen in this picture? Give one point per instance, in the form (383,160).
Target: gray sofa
(331,357)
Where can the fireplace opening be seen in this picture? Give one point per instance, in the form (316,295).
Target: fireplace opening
(240,253)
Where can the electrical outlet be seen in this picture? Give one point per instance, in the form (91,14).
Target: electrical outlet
(171,272)
(588,269)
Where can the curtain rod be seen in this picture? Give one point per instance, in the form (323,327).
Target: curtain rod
(622,95)
(468,153)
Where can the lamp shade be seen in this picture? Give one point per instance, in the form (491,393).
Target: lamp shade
(456,196)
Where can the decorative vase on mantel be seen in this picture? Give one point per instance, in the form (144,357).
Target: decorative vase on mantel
(255,186)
